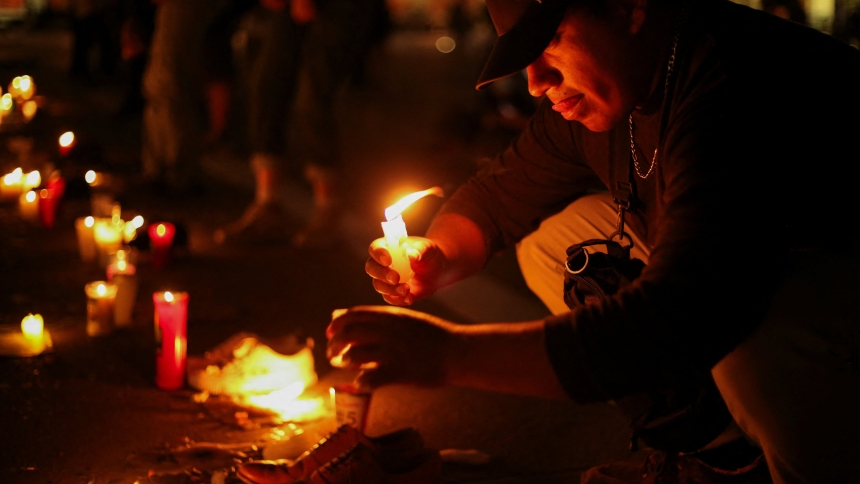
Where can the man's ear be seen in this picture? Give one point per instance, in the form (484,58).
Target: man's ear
(634,13)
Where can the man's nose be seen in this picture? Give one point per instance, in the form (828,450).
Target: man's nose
(542,77)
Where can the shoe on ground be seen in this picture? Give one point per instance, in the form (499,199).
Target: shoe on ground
(672,468)
(404,445)
(363,465)
(262,223)
(243,365)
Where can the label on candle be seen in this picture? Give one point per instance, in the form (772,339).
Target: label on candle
(351,406)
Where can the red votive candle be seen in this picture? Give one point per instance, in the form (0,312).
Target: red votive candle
(47,207)
(160,241)
(171,321)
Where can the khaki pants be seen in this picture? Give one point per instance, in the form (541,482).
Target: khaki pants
(794,385)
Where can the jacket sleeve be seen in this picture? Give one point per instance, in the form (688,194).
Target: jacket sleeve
(537,175)
(711,269)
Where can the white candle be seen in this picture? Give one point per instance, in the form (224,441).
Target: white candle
(108,237)
(33,328)
(12,184)
(28,206)
(86,240)
(395,232)
(101,297)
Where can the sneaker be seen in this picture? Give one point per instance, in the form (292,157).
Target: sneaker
(260,224)
(401,445)
(363,465)
(672,468)
(243,365)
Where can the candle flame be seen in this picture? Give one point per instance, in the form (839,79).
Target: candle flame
(14,177)
(43,194)
(33,179)
(101,290)
(161,230)
(66,139)
(168,296)
(89,221)
(137,222)
(31,196)
(90,176)
(6,102)
(393,211)
(32,326)
(121,265)
(25,83)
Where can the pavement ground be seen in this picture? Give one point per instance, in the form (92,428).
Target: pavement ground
(89,410)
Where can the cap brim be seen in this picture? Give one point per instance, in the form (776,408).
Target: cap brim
(524,43)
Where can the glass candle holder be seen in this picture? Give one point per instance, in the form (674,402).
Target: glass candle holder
(101,297)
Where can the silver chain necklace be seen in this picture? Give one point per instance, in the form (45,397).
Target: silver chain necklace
(669,71)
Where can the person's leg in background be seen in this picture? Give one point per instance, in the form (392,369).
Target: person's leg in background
(690,418)
(271,91)
(173,127)
(794,385)
(337,41)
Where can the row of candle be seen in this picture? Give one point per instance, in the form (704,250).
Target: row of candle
(171,323)
(22,89)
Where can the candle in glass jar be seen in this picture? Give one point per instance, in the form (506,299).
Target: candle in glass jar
(28,206)
(12,184)
(160,241)
(171,322)
(86,239)
(108,237)
(101,297)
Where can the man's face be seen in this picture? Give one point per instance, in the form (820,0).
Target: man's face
(589,71)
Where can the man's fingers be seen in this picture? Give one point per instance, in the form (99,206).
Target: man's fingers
(379,252)
(377,377)
(364,356)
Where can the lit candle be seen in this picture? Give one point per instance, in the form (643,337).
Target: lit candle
(171,322)
(160,240)
(12,184)
(122,272)
(35,336)
(28,206)
(7,105)
(47,207)
(22,87)
(29,110)
(31,180)
(33,327)
(86,240)
(101,297)
(108,237)
(395,232)
(67,142)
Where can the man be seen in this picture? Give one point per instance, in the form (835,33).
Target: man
(734,127)
(732,117)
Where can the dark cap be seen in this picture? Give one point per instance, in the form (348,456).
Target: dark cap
(525,29)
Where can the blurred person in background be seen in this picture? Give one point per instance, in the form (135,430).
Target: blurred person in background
(173,86)
(311,49)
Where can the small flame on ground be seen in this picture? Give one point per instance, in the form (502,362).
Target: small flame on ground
(89,221)
(168,296)
(66,139)
(90,177)
(31,196)
(393,211)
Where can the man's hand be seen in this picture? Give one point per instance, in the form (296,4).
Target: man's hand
(391,345)
(427,260)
